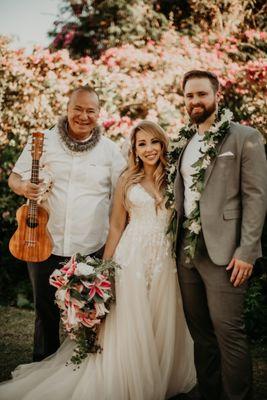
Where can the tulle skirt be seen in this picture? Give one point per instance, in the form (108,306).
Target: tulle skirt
(147,350)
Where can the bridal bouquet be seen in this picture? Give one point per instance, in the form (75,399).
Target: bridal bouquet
(84,296)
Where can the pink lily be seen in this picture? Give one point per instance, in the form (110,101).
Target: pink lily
(57,279)
(97,287)
(85,319)
(76,303)
(70,267)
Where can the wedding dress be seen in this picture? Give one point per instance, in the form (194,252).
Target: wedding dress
(147,350)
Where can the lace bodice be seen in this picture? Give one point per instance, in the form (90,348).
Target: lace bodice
(143,213)
(145,233)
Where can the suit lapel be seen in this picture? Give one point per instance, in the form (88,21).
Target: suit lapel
(180,156)
(213,162)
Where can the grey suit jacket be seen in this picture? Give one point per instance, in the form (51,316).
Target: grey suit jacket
(234,201)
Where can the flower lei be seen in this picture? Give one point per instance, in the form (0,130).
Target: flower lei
(72,146)
(211,139)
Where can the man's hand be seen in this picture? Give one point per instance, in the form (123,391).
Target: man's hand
(30,190)
(241,271)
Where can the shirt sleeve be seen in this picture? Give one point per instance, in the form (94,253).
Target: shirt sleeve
(23,165)
(24,162)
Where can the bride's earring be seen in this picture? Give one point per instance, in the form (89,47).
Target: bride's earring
(137,159)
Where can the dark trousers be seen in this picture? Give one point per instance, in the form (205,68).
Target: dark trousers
(214,312)
(47,315)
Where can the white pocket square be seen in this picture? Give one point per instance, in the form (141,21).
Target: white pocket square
(227,154)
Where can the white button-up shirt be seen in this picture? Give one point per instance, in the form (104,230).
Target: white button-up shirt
(79,201)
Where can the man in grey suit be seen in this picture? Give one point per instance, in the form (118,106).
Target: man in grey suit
(229,210)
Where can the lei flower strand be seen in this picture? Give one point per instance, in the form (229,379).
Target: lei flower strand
(210,140)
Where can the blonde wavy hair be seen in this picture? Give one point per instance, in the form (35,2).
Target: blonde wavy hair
(134,172)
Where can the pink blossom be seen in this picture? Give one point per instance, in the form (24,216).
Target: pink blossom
(57,279)
(78,304)
(97,286)
(70,267)
(88,319)
(107,124)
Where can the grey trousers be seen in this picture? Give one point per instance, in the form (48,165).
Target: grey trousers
(214,312)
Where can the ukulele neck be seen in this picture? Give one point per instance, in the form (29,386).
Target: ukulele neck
(34,179)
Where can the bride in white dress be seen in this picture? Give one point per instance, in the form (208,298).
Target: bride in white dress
(147,350)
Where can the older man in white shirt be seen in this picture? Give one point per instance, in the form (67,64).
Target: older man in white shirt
(84,166)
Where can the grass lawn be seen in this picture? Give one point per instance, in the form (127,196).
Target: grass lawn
(16,338)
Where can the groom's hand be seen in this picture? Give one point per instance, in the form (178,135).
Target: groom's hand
(241,271)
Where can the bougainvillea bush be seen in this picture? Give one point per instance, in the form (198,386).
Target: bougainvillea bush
(132,82)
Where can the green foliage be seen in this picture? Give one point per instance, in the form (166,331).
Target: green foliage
(256,307)
(225,16)
(98,25)
(89,27)
(256,299)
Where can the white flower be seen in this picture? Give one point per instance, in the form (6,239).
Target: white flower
(100,309)
(172,169)
(89,259)
(72,319)
(213,129)
(195,227)
(61,298)
(206,162)
(177,144)
(84,269)
(61,294)
(197,195)
(206,145)
(182,142)
(227,115)
(56,272)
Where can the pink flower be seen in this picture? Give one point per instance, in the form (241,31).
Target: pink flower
(88,319)
(57,279)
(107,124)
(70,267)
(76,303)
(98,286)
(5,215)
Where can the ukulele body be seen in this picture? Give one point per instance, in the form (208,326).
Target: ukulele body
(31,241)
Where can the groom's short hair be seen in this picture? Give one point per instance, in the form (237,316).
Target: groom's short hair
(197,73)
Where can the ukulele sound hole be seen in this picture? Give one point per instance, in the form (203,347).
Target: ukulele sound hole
(32,223)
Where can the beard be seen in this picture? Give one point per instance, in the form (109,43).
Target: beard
(202,116)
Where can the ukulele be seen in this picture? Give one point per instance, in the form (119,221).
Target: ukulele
(31,241)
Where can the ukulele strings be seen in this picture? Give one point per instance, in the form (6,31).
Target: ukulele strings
(32,212)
